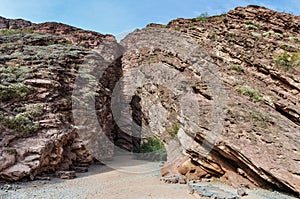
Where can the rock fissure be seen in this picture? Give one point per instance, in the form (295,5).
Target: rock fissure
(255,52)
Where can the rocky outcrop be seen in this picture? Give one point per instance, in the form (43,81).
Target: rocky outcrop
(221,92)
(259,141)
(13,23)
(37,134)
(42,68)
(88,39)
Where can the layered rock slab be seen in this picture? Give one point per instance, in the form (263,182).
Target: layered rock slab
(259,142)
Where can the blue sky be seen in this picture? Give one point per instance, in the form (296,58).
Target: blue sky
(117,16)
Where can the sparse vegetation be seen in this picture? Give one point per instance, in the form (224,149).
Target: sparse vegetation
(271,32)
(237,68)
(202,17)
(218,18)
(68,42)
(84,45)
(64,42)
(268,33)
(289,47)
(152,144)
(32,110)
(191,24)
(173,130)
(154,148)
(248,91)
(212,36)
(257,118)
(16,90)
(255,34)
(15,31)
(287,61)
(151,59)
(10,31)
(10,151)
(10,74)
(294,39)
(252,25)
(229,34)
(21,123)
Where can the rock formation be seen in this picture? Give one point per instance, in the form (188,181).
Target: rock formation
(259,143)
(39,64)
(222,92)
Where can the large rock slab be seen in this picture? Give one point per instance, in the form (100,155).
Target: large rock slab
(258,143)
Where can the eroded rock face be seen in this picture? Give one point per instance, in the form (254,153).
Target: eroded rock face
(259,141)
(39,64)
(249,74)
(37,134)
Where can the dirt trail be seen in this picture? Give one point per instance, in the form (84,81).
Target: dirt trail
(127,179)
(123,178)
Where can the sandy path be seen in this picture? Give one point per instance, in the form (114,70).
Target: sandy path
(125,178)
(128,179)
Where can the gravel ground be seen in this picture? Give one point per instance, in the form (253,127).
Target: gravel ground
(133,179)
(123,179)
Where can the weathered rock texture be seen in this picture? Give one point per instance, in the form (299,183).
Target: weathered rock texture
(39,64)
(259,144)
(13,23)
(251,54)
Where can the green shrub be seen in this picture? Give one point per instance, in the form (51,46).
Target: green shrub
(21,123)
(255,34)
(84,44)
(15,31)
(202,17)
(252,93)
(294,39)
(10,31)
(28,31)
(287,61)
(151,149)
(237,68)
(262,120)
(16,90)
(67,42)
(271,32)
(31,110)
(14,73)
(152,144)
(212,36)
(252,25)
(174,130)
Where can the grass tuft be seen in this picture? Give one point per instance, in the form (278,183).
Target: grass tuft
(248,91)
(287,61)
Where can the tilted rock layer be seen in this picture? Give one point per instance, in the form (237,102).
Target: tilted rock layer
(254,50)
(259,143)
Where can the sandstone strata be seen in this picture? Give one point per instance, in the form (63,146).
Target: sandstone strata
(39,64)
(249,77)
(259,144)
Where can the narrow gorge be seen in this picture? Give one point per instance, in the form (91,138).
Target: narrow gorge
(222,94)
